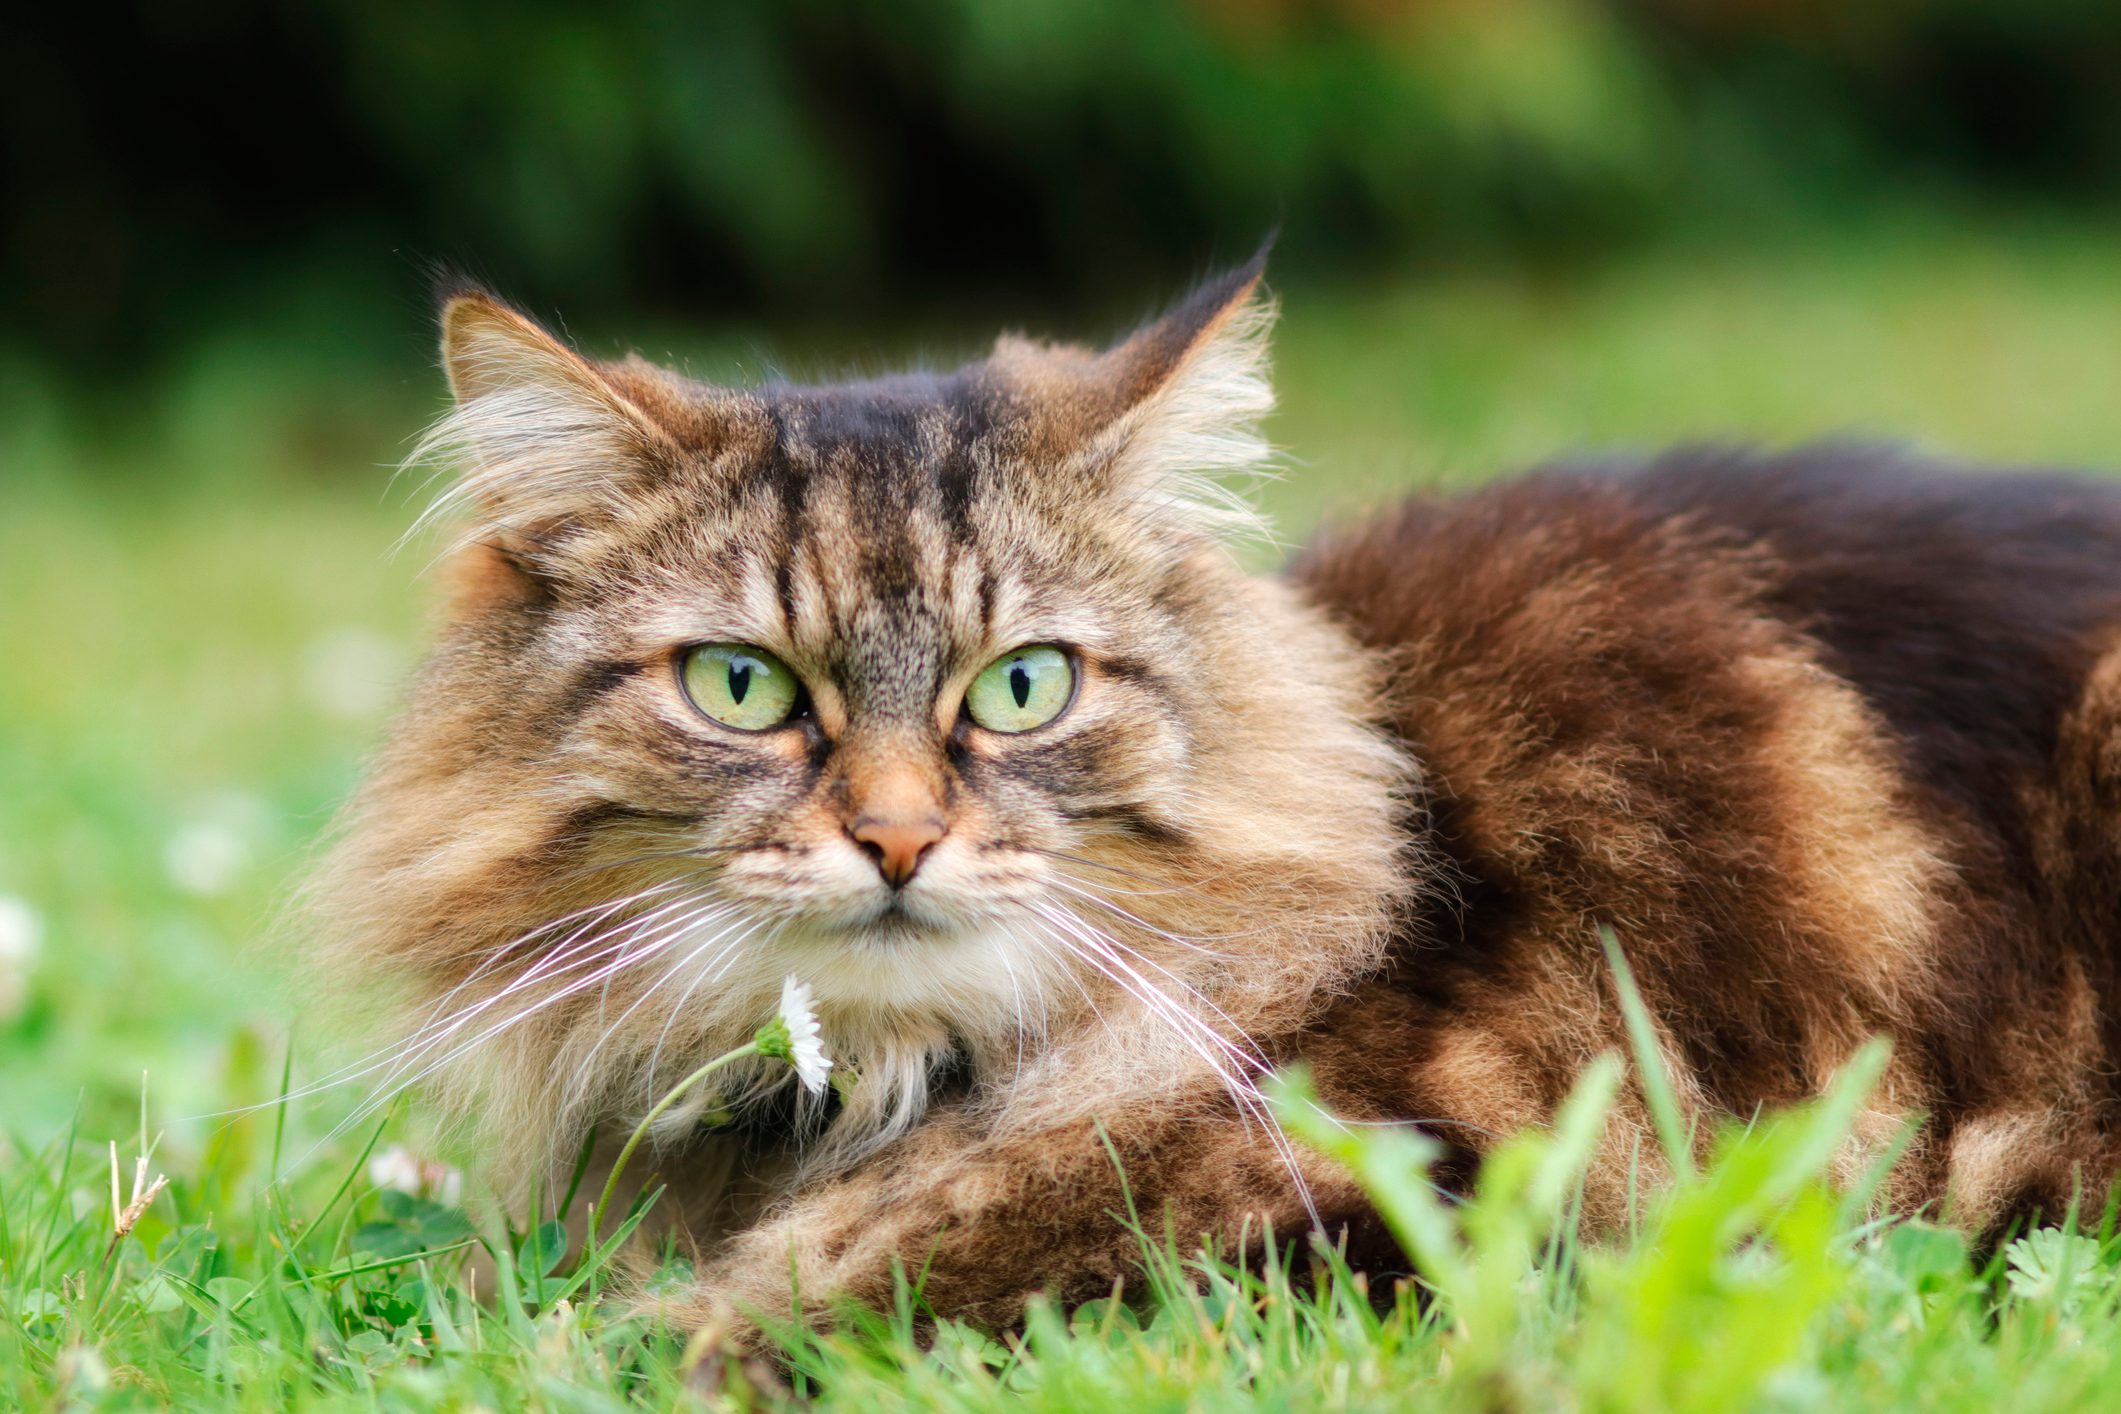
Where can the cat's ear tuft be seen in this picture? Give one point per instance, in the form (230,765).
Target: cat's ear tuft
(1169,416)
(1220,327)
(539,436)
(490,348)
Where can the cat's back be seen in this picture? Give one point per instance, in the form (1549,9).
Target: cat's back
(1966,607)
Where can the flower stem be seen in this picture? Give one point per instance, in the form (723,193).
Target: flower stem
(640,1131)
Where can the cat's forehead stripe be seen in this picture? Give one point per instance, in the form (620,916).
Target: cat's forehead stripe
(882,537)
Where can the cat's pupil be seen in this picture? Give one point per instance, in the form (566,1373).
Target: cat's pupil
(1020,683)
(739,681)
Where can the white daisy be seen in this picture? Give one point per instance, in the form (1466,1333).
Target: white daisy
(21,937)
(805,1052)
(400,1168)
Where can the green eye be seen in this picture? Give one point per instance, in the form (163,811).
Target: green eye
(1022,689)
(738,685)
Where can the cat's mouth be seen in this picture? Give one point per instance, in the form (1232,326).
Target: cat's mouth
(897,916)
(907,917)
(895,912)
(902,918)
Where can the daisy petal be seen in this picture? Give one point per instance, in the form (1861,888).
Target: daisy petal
(805,1051)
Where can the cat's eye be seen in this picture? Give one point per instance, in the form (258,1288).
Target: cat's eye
(1022,689)
(739,686)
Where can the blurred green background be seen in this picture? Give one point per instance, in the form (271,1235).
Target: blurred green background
(1507,228)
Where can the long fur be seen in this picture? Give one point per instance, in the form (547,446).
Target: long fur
(1828,740)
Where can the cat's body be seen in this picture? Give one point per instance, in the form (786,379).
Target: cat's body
(1831,742)
(1830,739)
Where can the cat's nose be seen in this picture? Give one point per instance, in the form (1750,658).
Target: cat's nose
(896,846)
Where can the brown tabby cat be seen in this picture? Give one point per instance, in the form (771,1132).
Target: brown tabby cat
(945,694)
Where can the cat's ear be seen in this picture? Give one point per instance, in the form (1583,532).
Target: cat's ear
(1169,416)
(540,436)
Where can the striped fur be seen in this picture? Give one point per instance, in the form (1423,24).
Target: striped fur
(1826,739)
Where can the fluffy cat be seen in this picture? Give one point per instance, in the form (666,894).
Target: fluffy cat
(945,694)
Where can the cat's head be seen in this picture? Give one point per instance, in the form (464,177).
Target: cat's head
(942,692)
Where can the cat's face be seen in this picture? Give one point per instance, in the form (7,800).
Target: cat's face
(896,697)
(941,693)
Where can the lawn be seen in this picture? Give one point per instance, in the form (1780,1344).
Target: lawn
(203,626)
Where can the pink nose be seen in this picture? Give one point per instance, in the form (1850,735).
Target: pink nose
(895,845)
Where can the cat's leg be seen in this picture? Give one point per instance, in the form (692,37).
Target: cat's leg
(984,1220)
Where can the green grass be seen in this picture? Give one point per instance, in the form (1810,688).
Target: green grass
(202,623)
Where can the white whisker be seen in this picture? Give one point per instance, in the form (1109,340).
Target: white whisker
(1117,952)
(1187,1027)
(628,956)
(1068,884)
(593,914)
(743,929)
(1016,998)
(387,1057)
(613,945)
(1104,953)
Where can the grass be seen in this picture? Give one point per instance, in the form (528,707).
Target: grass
(203,625)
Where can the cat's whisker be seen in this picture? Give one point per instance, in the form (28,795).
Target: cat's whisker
(627,957)
(1241,1047)
(392,1059)
(1244,1095)
(710,971)
(1192,1028)
(1099,894)
(1246,1051)
(672,934)
(385,1057)
(554,964)
(1187,1029)
(1078,888)
(736,935)
(583,938)
(1047,932)
(1016,998)
(703,921)
(1040,939)
(1183,1021)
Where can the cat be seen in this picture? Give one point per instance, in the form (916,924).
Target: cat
(946,694)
